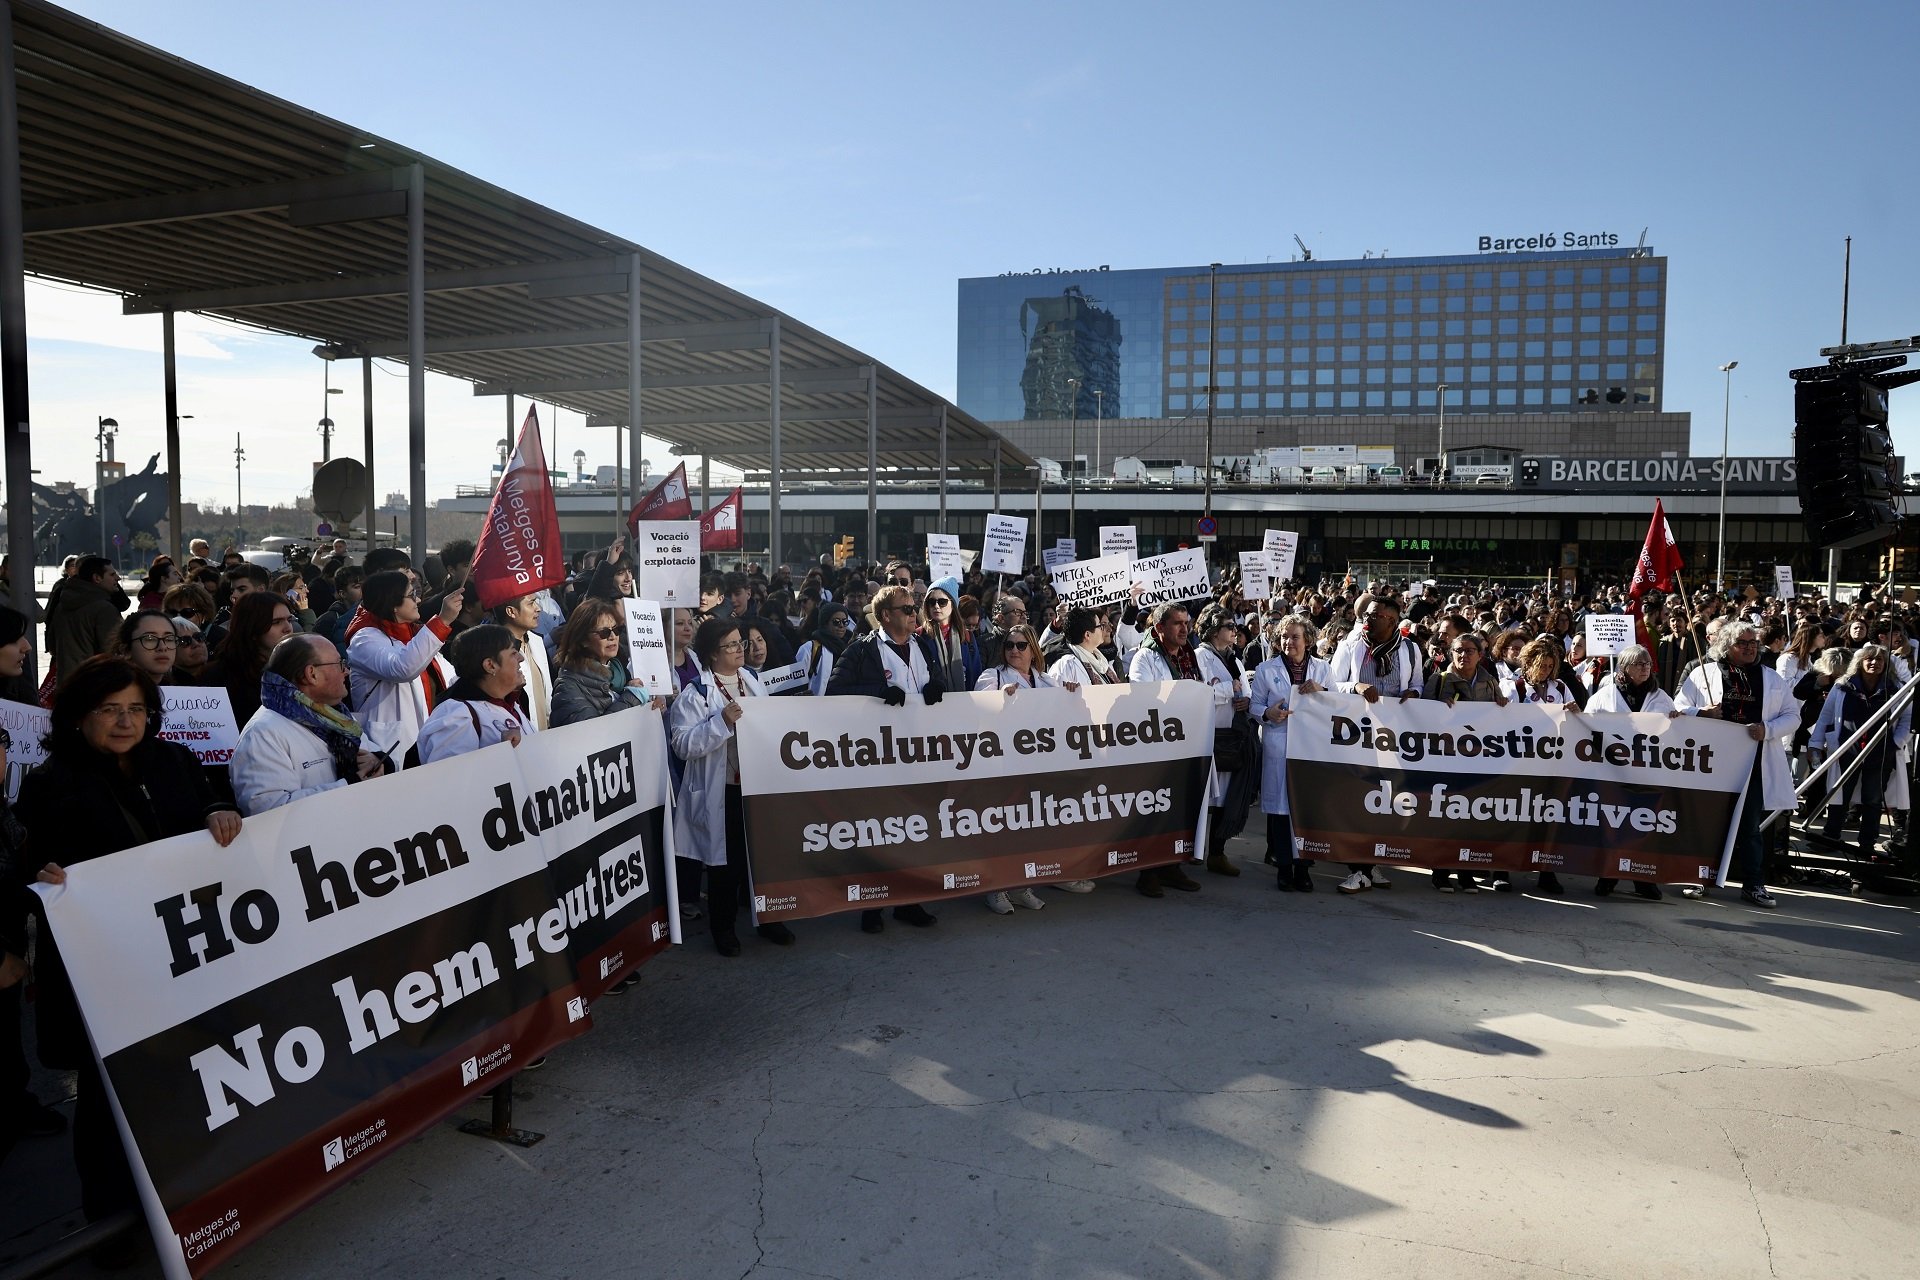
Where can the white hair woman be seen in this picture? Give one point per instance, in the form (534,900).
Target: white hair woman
(1293,672)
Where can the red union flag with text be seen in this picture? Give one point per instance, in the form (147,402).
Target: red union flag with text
(720,527)
(668,500)
(1659,567)
(519,549)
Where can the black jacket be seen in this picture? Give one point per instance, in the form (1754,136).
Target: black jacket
(860,669)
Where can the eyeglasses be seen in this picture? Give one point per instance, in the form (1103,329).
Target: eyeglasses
(413,595)
(195,638)
(156,641)
(605,633)
(1742,643)
(733,647)
(118,715)
(838,622)
(341,663)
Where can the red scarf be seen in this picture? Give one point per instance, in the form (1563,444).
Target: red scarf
(403,633)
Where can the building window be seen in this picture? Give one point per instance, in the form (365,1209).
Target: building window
(1323,399)
(1562,395)
(1649,275)
(1505,396)
(1376,399)
(1176,379)
(1176,402)
(1176,357)
(1403,399)
(1349,399)
(1479,399)
(1531,395)
(1647,323)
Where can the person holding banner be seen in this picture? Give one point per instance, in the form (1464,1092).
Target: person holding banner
(108,783)
(1084,662)
(1867,686)
(488,701)
(1292,672)
(708,826)
(1021,666)
(891,662)
(300,743)
(147,640)
(1734,685)
(1168,654)
(393,658)
(590,682)
(1375,660)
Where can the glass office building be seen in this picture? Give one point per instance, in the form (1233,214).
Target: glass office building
(1552,331)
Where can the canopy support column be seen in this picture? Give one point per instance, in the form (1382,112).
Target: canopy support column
(417,362)
(633,385)
(775,556)
(943,468)
(176,516)
(13,340)
(873,463)
(366,418)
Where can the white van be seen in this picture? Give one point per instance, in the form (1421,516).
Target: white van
(1393,475)
(1323,475)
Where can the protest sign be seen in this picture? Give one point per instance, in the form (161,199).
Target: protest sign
(849,805)
(199,719)
(649,665)
(1069,545)
(1119,539)
(1092,583)
(667,562)
(1525,787)
(1177,575)
(1608,633)
(274,1016)
(1006,541)
(1255,566)
(1054,557)
(788,679)
(1284,548)
(943,557)
(25,723)
(1783,582)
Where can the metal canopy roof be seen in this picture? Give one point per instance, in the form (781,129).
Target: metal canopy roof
(187,191)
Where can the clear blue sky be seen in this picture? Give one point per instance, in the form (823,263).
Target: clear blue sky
(848,163)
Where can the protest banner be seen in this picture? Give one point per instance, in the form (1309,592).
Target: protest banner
(788,679)
(1069,545)
(850,804)
(1255,568)
(1118,540)
(649,666)
(1284,548)
(1608,633)
(1054,557)
(943,557)
(1525,787)
(1006,540)
(520,551)
(201,720)
(670,499)
(720,527)
(274,1016)
(1783,582)
(1089,584)
(1176,576)
(25,723)
(667,562)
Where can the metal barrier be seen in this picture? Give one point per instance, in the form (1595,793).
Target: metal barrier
(1879,725)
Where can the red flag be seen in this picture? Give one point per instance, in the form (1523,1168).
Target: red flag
(720,527)
(668,500)
(519,549)
(1659,562)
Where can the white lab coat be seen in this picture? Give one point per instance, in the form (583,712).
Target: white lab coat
(821,671)
(1000,677)
(388,700)
(1606,697)
(1272,688)
(458,726)
(1779,711)
(277,762)
(699,733)
(1149,664)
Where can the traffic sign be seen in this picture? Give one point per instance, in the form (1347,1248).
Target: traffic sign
(1206,528)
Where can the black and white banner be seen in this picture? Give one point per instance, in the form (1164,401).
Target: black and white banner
(274,1015)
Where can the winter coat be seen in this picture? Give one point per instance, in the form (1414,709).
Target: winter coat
(388,700)
(86,623)
(1272,688)
(699,732)
(583,693)
(278,761)
(860,668)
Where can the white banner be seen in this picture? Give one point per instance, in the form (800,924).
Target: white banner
(1053,558)
(1783,582)
(649,665)
(667,562)
(1255,566)
(1177,575)
(1006,542)
(1069,545)
(1608,633)
(784,679)
(1120,540)
(943,557)
(1091,583)
(25,723)
(1283,548)
(201,720)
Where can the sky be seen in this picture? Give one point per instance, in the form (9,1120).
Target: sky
(849,163)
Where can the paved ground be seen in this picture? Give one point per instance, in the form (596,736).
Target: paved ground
(1235,1083)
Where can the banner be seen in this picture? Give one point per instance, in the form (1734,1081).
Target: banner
(1069,545)
(1120,540)
(274,1016)
(1283,546)
(649,666)
(1177,576)
(851,803)
(1006,540)
(26,723)
(1525,787)
(1054,557)
(519,551)
(1783,582)
(720,527)
(1089,584)
(1256,567)
(199,718)
(1608,633)
(666,557)
(791,678)
(668,500)
(943,557)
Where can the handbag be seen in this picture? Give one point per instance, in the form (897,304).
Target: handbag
(1230,744)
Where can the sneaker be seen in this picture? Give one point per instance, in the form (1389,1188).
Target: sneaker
(1356,883)
(998,904)
(1380,880)
(1075,886)
(1693,891)
(1502,884)
(1759,897)
(1025,898)
(1442,882)
(1469,885)
(625,984)
(688,911)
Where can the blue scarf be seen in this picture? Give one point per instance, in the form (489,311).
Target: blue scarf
(335,728)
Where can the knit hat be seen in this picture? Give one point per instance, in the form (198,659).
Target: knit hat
(950,585)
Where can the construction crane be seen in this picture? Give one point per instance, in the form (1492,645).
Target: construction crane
(1306,254)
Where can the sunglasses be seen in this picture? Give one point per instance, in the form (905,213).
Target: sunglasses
(1014,646)
(605,633)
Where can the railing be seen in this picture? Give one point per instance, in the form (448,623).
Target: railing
(1879,725)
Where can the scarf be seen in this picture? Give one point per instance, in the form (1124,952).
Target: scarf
(1181,663)
(909,673)
(1095,662)
(1634,695)
(338,730)
(401,633)
(1296,675)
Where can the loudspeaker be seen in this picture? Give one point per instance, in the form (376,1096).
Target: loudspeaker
(1844,455)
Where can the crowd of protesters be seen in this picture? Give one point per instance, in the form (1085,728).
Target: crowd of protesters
(339,672)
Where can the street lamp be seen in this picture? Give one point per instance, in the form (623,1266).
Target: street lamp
(580,465)
(1213,381)
(326,417)
(1440,462)
(503,447)
(1099,416)
(239,524)
(1073,452)
(103,442)
(1726,420)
